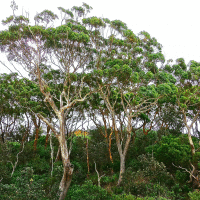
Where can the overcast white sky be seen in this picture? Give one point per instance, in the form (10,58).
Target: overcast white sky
(174,23)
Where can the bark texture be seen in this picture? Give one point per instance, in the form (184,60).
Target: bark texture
(66,179)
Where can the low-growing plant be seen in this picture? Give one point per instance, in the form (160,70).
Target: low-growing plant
(88,191)
(151,178)
(195,195)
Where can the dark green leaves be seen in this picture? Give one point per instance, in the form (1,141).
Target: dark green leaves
(16,20)
(45,16)
(68,12)
(94,22)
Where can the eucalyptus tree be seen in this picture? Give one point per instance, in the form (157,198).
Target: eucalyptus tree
(187,103)
(40,48)
(127,76)
(119,64)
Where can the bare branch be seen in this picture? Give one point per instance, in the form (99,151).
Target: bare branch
(48,123)
(190,172)
(99,177)
(14,166)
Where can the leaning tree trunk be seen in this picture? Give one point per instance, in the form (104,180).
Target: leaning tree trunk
(195,173)
(194,177)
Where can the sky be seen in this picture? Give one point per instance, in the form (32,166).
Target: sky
(174,23)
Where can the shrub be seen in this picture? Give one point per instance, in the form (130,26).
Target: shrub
(24,187)
(172,149)
(151,178)
(40,165)
(195,195)
(88,191)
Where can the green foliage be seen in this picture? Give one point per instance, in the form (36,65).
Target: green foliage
(181,176)
(141,142)
(40,165)
(88,191)
(16,20)
(123,70)
(68,12)
(45,16)
(194,195)
(109,179)
(141,186)
(80,172)
(172,150)
(145,177)
(5,155)
(94,21)
(24,187)
(150,179)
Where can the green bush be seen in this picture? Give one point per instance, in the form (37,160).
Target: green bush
(88,191)
(172,150)
(79,174)
(141,142)
(131,197)
(24,187)
(125,197)
(109,179)
(151,178)
(39,165)
(195,195)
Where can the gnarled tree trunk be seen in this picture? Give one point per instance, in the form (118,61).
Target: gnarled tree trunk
(67,167)
(66,179)
(194,174)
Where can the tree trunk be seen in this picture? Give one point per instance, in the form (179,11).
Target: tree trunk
(122,169)
(88,163)
(194,176)
(67,166)
(37,130)
(58,155)
(66,179)
(195,173)
(47,136)
(109,147)
(191,141)
(36,138)
(122,154)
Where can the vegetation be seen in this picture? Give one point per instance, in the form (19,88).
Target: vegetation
(100,116)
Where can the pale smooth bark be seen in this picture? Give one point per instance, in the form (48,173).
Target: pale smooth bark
(194,174)
(123,149)
(122,154)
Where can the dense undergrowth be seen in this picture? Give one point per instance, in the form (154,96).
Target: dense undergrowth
(155,169)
